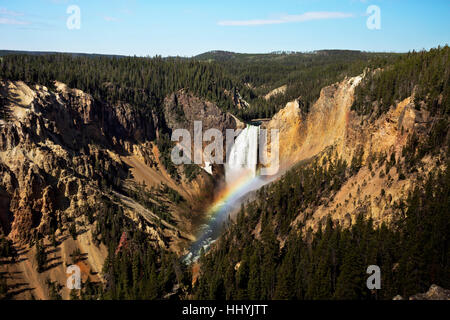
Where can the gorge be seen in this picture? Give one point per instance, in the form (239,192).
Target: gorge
(241,177)
(87,179)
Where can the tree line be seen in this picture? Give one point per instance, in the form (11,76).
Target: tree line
(305,74)
(424,73)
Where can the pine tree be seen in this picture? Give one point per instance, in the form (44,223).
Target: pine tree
(40,255)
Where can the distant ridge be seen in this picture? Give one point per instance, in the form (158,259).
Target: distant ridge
(222,56)
(43,53)
(214,55)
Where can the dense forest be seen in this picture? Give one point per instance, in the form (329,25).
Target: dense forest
(145,82)
(305,74)
(412,253)
(142,82)
(136,268)
(3,111)
(7,251)
(427,73)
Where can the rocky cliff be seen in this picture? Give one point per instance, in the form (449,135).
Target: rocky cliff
(182,109)
(434,293)
(63,153)
(303,136)
(331,129)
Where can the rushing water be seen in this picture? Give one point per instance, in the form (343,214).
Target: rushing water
(241,178)
(243,156)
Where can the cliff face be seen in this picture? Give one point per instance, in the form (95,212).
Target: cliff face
(302,137)
(275,92)
(434,293)
(332,126)
(44,169)
(57,146)
(62,152)
(55,149)
(182,109)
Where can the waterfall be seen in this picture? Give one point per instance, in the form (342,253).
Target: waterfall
(243,156)
(241,164)
(241,178)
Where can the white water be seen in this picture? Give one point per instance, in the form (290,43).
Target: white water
(242,161)
(243,156)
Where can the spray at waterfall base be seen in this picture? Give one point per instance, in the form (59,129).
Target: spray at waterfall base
(243,174)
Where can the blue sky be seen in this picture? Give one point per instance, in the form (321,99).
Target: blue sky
(186,28)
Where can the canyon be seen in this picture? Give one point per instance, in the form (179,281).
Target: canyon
(65,157)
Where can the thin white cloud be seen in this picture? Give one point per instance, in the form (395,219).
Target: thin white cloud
(12,21)
(308,16)
(6,12)
(9,17)
(110,19)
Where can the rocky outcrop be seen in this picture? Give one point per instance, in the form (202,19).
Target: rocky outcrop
(62,153)
(61,149)
(276,92)
(121,120)
(50,162)
(182,109)
(302,137)
(238,101)
(332,125)
(434,293)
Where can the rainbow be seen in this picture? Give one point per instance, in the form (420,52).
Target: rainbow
(225,203)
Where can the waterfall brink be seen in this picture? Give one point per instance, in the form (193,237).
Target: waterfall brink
(243,157)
